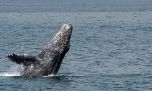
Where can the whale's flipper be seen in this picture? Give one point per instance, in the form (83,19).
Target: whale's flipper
(24,59)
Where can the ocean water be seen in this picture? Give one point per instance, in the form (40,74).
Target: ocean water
(111,44)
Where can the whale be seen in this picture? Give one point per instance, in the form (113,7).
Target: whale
(49,59)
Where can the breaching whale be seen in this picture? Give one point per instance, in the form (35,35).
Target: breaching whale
(48,61)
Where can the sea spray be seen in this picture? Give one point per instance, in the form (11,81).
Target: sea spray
(14,70)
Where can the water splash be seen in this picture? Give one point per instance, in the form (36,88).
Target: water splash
(14,70)
(9,74)
(52,75)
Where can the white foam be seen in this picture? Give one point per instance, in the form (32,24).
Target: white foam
(52,75)
(9,74)
(14,70)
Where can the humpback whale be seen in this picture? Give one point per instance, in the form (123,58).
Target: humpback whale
(48,61)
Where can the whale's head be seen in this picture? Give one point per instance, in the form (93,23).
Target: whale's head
(62,38)
(65,31)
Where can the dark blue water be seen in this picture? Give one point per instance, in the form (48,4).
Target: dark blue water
(111,45)
(74,5)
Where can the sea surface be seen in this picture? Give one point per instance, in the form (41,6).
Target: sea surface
(111,44)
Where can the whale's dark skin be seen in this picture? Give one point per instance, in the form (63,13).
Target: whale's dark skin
(48,61)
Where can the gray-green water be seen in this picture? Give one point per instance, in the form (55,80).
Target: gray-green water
(110,50)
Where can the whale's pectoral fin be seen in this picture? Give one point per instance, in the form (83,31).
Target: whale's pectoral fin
(24,59)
